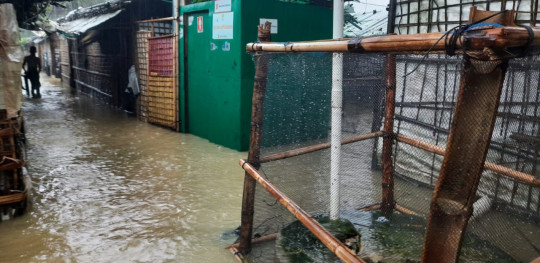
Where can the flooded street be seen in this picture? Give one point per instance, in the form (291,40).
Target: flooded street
(108,188)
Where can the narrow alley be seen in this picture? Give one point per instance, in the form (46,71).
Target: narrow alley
(109,188)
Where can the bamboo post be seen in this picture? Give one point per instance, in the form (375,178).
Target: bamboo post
(259,89)
(468,143)
(388,203)
(331,242)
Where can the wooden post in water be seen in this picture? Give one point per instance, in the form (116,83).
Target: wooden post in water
(466,150)
(259,90)
(388,203)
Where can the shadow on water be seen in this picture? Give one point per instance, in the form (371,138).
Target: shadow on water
(108,188)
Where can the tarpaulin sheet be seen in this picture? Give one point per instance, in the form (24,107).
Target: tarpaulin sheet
(10,61)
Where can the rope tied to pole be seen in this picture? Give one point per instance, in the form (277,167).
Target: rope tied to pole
(454,36)
(527,46)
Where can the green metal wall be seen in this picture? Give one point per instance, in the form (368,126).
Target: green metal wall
(216,84)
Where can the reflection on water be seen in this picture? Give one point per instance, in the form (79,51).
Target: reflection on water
(108,188)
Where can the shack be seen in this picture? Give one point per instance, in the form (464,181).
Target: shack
(98,47)
(216,72)
(49,52)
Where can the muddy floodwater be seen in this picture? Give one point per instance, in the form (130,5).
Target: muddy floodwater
(108,188)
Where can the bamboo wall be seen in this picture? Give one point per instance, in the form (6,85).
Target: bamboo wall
(65,65)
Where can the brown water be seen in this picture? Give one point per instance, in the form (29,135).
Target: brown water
(108,188)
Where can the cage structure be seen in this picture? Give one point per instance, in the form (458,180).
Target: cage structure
(438,155)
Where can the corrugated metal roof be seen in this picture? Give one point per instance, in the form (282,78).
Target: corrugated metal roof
(81,25)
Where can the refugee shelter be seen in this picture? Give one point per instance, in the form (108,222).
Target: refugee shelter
(49,53)
(98,47)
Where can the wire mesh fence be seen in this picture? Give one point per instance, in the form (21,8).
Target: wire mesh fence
(424,16)
(296,156)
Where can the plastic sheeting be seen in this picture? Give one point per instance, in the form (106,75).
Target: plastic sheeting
(11,57)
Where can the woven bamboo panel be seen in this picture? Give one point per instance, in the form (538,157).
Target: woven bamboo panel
(159,98)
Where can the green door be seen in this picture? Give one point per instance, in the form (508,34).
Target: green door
(198,46)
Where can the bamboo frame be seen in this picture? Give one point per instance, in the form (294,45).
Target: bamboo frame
(338,248)
(317,147)
(262,239)
(496,38)
(451,205)
(466,151)
(259,91)
(163,19)
(521,177)
(234,247)
(387,200)
(397,207)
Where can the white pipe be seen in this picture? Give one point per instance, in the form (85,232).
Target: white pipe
(337,96)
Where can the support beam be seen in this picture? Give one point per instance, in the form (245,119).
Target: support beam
(521,177)
(468,143)
(388,203)
(259,90)
(330,241)
(318,147)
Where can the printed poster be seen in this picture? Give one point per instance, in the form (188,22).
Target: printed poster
(222,26)
(222,6)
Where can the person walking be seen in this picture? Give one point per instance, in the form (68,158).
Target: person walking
(31,72)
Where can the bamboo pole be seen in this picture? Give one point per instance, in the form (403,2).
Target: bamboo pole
(338,248)
(466,151)
(388,203)
(259,90)
(262,239)
(163,19)
(522,177)
(496,38)
(317,147)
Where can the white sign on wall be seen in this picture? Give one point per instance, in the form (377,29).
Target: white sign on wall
(222,6)
(273,28)
(222,26)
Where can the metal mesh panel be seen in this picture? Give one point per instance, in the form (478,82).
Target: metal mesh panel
(297,114)
(424,16)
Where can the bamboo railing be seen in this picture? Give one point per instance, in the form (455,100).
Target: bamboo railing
(477,40)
